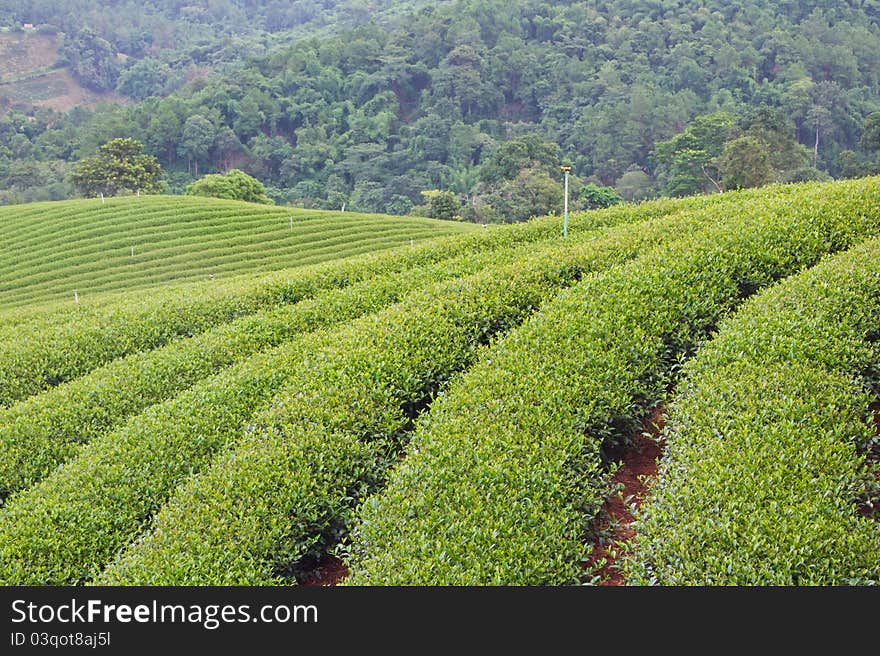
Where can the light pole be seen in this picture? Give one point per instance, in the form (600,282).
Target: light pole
(565,169)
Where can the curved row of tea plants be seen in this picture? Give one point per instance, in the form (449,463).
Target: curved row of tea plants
(160,266)
(765,468)
(535,229)
(45,430)
(504,475)
(63,529)
(46,350)
(87,246)
(287,491)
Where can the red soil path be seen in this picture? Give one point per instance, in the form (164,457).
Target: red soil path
(329,571)
(639,465)
(873,457)
(637,468)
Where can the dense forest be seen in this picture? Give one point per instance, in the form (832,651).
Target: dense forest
(369,106)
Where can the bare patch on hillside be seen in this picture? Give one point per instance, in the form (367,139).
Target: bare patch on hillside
(56,90)
(28,77)
(23,53)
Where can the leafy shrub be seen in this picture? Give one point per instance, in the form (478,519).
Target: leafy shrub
(234,185)
(765,467)
(503,477)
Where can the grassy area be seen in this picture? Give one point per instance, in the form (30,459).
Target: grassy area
(48,251)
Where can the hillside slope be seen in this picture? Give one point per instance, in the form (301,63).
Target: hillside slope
(33,74)
(452,413)
(48,251)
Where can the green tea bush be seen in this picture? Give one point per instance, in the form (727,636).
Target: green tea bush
(288,489)
(504,475)
(765,467)
(45,430)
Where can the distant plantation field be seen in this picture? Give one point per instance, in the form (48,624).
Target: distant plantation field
(450,412)
(50,251)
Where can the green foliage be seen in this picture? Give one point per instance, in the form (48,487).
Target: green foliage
(870,140)
(501,483)
(235,185)
(130,243)
(766,466)
(353,404)
(145,78)
(713,154)
(345,111)
(196,140)
(172,440)
(46,430)
(745,163)
(635,185)
(807,174)
(441,204)
(120,165)
(776,133)
(44,347)
(531,193)
(688,160)
(197,423)
(510,158)
(593,197)
(92,59)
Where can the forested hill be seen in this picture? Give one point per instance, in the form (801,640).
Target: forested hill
(150,47)
(485,98)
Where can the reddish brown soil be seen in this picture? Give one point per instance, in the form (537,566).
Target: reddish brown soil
(873,457)
(329,571)
(637,468)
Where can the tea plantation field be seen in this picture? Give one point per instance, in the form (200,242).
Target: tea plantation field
(48,251)
(444,411)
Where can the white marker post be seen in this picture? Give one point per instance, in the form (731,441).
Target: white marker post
(75,297)
(565,168)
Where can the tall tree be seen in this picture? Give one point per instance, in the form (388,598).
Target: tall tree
(870,140)
(196,140)
(120,165)
(746,163)
(235,185)
(687,163)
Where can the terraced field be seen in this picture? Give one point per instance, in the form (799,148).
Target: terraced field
(452,412)
(52,251)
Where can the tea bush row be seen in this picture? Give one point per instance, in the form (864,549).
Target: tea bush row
(765,469)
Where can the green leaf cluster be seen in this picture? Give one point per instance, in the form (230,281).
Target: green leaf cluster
(234,185)
(120,166)
(766,470)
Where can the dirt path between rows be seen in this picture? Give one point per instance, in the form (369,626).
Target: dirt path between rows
(873,457)
(330,570)
(637,467)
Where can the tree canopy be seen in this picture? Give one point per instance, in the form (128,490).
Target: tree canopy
(120,165)
(235,185)
(387,100)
